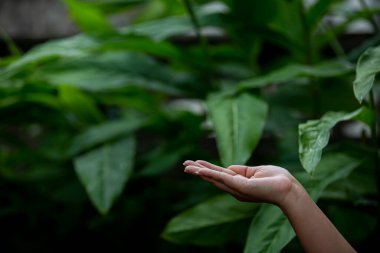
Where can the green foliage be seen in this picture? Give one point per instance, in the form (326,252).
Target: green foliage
(105,119)
(238,124)
(270,231)
(293,72)
(210,222)
(88,18)
(105,170)
(366,70)
(314,136)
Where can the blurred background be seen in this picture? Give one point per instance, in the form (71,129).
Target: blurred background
(102,100)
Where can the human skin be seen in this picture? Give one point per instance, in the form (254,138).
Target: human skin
(275,185)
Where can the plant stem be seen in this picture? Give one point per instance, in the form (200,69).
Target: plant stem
(309,60)
(196,25)
(13,49)
(201,39)
(334,42)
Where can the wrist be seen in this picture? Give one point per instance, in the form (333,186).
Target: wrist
(296,196)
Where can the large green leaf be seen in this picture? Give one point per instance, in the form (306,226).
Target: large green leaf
(366,70)
(104,172)
(79,103)
(89,18)
(110,71)
(288,15)
(174,25)
(270,230)
(210,222)
(76,46)
(314,136)
(142,44)
(332,168)
(238,123)
(161,29)
(294,71)
(104,132)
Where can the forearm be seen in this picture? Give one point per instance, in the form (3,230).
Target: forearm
(314,230)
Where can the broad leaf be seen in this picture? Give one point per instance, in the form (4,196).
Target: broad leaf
(314,136)
(333,167)
(294,71)
(104,133)
(238,123)
(175,25)
(89,18)
(77,46)
(142,44)
(210,222)
(161,29)
(104,172)
(79,103)
(110,71)
(44,99)
(366,70)
(270,230)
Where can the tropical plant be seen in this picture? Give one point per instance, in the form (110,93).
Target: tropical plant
(113,111)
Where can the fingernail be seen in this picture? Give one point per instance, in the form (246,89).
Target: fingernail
(186,162)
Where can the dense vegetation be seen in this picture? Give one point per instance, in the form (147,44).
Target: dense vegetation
(94,128)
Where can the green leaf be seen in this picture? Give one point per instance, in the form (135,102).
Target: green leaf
(44,99)
(76,46)
(77,102)
(104,132)
(332,168)
(287,16)
(238,123)
(294,71)
(160,29)
(209,222)
(89,18)
(143,44)
(314,136)
(270,230)
(104,172)
(366,70)
(317,11)
(111,71)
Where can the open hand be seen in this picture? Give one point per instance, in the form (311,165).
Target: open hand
(267,183)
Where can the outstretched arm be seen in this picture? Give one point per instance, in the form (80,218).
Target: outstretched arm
(272,184)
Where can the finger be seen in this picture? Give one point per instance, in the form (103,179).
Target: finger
(227,179)
(215,167)
(191,169)
(190,162)
(243,170)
